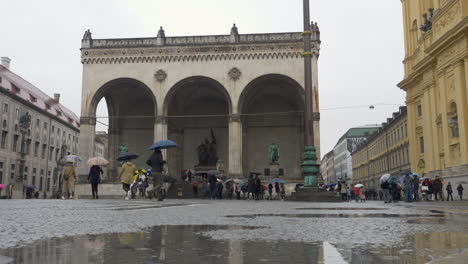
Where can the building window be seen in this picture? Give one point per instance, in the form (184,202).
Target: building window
(38,122)
(1,176)
(51,153)
(45,125)
(40,183)
(1,165)
(421,144)
(47,107)
(36,149)
(15,142)
(43,153)
(28,146)
(32,98)
(34,170)
(53,129)
(12,175)
(42,171)
(4,139)
(57,154)
(58,131)
(34,180)
(419,110)
(17,111)
(13,167)
(48,185)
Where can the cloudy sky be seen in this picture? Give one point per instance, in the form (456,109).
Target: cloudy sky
(360,63)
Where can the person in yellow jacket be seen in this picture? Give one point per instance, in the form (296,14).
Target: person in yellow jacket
(126,176)
(68,180)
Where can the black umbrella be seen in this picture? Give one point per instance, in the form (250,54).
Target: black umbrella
(255,173)
(123,156)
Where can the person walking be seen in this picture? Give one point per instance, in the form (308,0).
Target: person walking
(386,192)
(258,188)
(449,191)
(126,176)
(251,187)
(213,183)
(460,191)
(157,165)
(349,194)
(343,191)
(408,187)
(437,185)
(94,177)
(270,191)
(277,190)
(68,180)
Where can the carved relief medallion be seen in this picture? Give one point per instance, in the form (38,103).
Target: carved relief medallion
(160,75)
(234,74)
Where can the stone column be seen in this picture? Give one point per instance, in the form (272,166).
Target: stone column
(160,130)
(235,146)
(87,134)
(112,153)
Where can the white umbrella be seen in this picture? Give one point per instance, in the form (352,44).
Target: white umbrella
(71,158)
(97,161)
(384,178)
(359,185)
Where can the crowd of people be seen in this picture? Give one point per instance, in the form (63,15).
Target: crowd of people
(409,188)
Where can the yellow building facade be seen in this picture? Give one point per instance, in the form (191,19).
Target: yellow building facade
(386,151)
(436,81)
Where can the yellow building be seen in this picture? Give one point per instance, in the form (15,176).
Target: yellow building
(436,79)
(386,151)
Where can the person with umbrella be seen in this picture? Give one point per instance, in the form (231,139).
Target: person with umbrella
(157,165)
(68,179)
(94,177)
(127,171)
(157,162)
(438,186)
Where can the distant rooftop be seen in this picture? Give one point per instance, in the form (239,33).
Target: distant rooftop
(360,132)
(31,94)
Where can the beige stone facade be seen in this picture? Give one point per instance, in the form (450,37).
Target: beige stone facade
(386,151)
(53,133)
(436,82)
(247,88)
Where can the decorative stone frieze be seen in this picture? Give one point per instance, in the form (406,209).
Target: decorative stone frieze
(235,118)
(234,74)
(87,120)
(160,75)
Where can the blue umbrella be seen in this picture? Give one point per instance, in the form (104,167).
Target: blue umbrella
(277,181)
(164,144)
(393,179)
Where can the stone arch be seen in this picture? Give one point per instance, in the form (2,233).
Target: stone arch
(194,107)
(271,108)
(196,80)
(132,108)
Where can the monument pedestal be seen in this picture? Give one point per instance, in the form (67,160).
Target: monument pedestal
(314,194)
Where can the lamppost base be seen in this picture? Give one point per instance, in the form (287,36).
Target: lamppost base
(310,168)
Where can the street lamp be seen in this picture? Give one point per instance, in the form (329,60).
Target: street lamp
(310,168)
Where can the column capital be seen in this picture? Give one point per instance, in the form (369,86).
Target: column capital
(88,120)
(160,119)
(235,118)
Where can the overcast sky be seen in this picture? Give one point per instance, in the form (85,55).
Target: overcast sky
(360,62)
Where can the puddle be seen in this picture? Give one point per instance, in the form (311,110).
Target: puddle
(190,244)
(341,208)
(337,215)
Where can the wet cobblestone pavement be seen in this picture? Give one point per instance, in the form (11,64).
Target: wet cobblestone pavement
(201,231)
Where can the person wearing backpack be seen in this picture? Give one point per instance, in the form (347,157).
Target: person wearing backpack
(68,180)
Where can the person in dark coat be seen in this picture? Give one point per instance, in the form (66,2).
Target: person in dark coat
(258,188)
(277,190)
(437,186)
(212,181)
(270,191)
(94,177)
(460,191)
(157,164)
(251,187)
(449,191)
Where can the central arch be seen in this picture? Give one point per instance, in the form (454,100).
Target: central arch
(193,107)
(272,108)
(131,109)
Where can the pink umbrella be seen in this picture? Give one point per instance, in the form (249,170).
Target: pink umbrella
(2,186)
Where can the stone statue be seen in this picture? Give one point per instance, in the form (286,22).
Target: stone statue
(25,121)
(207,152)
(122,148)
(87,34)
(273,154)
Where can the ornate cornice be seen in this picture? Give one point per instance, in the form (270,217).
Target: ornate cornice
(182,58)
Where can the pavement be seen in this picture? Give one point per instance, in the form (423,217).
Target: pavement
(418,232)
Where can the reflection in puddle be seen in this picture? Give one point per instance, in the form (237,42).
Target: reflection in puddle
(337,215)
(188,244)
(341,208)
